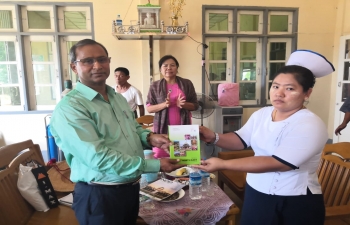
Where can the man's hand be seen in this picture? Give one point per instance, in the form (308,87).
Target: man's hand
(161,141)
(180,101)
(168,165)
(339,128)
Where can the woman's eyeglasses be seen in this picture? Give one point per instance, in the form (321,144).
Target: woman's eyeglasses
(91,61)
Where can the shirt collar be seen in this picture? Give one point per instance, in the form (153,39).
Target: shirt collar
(90,93)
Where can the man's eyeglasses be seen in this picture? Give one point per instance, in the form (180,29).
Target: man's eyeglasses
(91,61)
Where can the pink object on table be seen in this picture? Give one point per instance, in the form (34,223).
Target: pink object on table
(228,94)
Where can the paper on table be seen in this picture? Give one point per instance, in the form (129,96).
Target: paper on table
(66,200)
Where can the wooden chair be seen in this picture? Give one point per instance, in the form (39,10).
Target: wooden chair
(333,173)
(334,177)
(146,121)
(14,209)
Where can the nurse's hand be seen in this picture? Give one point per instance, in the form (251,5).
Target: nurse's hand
(210,165)
(206,134)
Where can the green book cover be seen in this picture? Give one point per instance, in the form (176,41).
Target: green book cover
(186,144)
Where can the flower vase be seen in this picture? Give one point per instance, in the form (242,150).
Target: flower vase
(174,21)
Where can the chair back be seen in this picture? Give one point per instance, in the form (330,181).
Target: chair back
(13,208)
(146,121)
(334,174)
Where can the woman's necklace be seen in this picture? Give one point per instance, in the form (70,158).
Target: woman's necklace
(275,112)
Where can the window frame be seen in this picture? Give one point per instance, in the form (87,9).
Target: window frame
(28,104)
(14,18)
(263,37)
(229,22)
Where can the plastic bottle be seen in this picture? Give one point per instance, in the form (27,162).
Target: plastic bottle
(205,181)
(119,21)
(150,176)
(195,185)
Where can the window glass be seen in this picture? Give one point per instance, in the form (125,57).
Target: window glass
(8,74)
(217,71)
(9,96)
(249,22)
(278,50)
(346,71)
(218,22)
(6,19)
(73,77)
(274,67)
(218,50)
(7,51)
(278,23)
(347,49)
(44,73)
(248,51)
(74,20)
(345,92)
(247,91)
(39,20)
(247,71)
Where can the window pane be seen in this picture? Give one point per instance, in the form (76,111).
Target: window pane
(214,91)
(7,51)
(74,78)
(39,20)
(268,90)
(74,20)
(247,51)
(346,71)
(41,51)
(43,74)
(278,23)
(247,91)
(249,22)
(278,50)
(9,96)
(217,50)
(218,22)
(6,19)
(217,71)
(45,95)
(8,74)
(274,67)
(345,92)
(247,71)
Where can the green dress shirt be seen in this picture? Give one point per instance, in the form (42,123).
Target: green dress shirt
(101,140)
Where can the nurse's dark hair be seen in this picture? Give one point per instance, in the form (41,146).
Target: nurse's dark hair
(301,74)
(82,43)
(165,58)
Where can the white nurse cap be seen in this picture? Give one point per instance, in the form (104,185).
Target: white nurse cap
(315,62)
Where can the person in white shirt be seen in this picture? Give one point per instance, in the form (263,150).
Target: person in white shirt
(132,95)
(287,139)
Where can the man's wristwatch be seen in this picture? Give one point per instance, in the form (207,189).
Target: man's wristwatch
(216,138)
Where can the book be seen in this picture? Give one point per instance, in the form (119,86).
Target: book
(186,143)
(161,189)
(66,200)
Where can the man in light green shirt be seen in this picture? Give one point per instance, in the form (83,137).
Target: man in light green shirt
(102,142)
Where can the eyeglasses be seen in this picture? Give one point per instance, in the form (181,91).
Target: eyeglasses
(91,61)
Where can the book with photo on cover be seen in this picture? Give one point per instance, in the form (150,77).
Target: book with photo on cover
(161,189)
(186,144)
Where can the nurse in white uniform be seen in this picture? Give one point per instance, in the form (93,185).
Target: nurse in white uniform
(287,139)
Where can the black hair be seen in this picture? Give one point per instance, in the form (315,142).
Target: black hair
(81,43)
(122,69)
(301,74)
(165,58)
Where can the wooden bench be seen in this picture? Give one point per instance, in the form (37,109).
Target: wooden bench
(333,173)
(14,209)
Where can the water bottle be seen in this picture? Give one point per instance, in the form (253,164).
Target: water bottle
(119,21)
(195,185)
(205,181)
(150,176)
